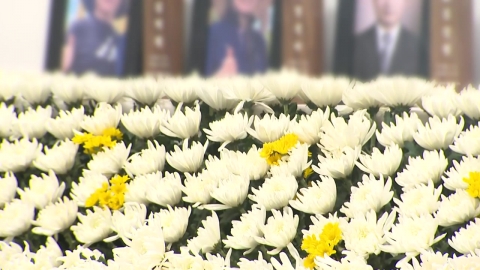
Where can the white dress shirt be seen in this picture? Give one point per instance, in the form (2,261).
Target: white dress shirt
(387,48)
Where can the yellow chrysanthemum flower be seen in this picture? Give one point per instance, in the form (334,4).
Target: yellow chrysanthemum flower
(473,181)
(309,262)
(331,232)
(82,138)
(113,132)
(111,196)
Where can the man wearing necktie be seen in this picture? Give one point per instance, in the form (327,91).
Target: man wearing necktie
(387,48)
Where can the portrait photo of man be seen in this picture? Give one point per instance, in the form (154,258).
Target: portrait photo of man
(387,39)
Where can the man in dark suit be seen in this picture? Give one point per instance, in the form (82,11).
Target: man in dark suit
(387,47)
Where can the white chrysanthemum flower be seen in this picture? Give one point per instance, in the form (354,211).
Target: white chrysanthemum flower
(325,91)
(34,87)
(146,122)
(125,224)
(137,189)
(212,93)
(400,131)
(441,103)
(421,170)
(93,227)
(245,230)
(338,165)
(350,262)
(438,133)
(8,188)
(418,201)
(429,260)
(19,155)
(182,90)
(207,236)
(197,189)
(285,263)
(371,194)
(378,163)
(146,249)
(16,218)
(82,258)
(232,127)
(357,97)
(275,192)
(42,190)
(457,208)
(411,235)
(146,90)
(56,217)
(60,158)
(250,163)
(245,89)
(230,192)
(467,240)
(110,160)
(87,184)
(269,128)
(453,179)
(259,263)
(67,88)
(9,117)
(399,91)
(465,262)
(319,198)
(174,222)
(467,142)
(146,161)
(31,123)
(65,123)
(112,89)
(467,101)
(105,116)
(363,234)
(284,85)
(308,128)
(187,159)
(216,169)
(279,231)
(183,125)
(166,190)
(46,257)
(338,134)
(295,163)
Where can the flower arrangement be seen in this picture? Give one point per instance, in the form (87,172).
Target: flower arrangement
(192,173)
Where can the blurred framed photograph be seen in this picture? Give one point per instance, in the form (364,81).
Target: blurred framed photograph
(387,38)
(383,37)
(235,37)
(95,39)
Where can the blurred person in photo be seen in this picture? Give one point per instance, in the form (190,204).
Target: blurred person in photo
(237,37)
(94,42)
(387,47)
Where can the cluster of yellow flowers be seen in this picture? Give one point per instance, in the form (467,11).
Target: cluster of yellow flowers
(93,144)
(111,196)
(274,151)
(473,181)
(323,245)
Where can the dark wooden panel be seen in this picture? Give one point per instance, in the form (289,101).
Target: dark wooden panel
(163,37)
(302,36)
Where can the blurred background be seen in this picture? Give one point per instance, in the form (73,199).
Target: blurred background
(363,39)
